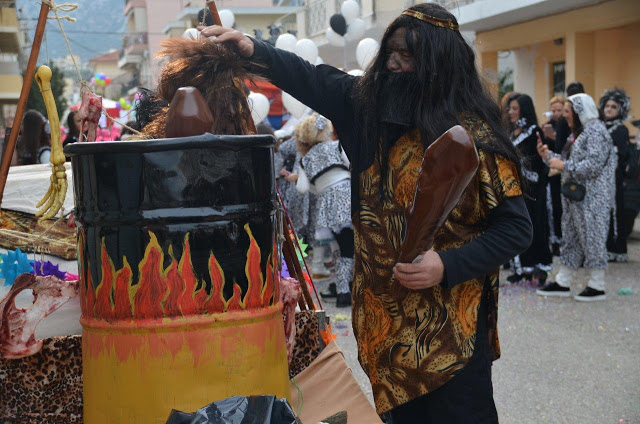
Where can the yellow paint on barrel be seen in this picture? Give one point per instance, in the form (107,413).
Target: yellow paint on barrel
(137,372)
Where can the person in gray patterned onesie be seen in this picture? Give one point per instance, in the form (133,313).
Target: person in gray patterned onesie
(324,172)
(588,159)
(287,163)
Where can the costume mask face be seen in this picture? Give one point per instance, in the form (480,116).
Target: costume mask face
(399,58)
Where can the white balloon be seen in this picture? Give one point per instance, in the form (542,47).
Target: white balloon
(319,61)
(259,104)
(294,107)
(307,50)
(286,42)
(356,72)
(334,38)
(366,51)
(356,30)
(191,34)
(227,18)
(350,10)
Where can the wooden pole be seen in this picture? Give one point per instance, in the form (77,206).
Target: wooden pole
(289,247)
(290,259)
(214,12)
(24,95)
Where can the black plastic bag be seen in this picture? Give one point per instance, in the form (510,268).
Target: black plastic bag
(239,410)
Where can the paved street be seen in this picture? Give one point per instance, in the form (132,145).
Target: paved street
(562,361)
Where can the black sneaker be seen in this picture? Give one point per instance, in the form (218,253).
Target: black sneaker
(540,277)
(515,278)
(343,300)
(330,292)
(554,289)
(590,295)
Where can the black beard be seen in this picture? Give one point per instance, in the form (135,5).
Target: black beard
(398,98)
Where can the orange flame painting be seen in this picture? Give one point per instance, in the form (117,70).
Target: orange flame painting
(174,291)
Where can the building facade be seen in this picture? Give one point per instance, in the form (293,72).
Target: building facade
(556,42)
(10,76)
(108,65)
(251,16)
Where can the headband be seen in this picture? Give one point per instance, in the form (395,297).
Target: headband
(443,23)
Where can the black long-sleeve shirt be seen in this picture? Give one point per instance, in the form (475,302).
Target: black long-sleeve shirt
(327,90)
(509,231)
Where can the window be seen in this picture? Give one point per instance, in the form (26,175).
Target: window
(558,71)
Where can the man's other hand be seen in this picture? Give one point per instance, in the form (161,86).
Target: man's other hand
(218,34)
(421,275)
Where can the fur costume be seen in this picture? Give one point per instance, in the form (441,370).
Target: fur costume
(324,172)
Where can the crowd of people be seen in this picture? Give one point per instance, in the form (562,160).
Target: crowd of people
(575,169)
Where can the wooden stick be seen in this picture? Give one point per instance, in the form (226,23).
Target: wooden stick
(24,95)
(214,13)
(290,260)
(303,282)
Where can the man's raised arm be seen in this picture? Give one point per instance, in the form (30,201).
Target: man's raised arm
(323,88)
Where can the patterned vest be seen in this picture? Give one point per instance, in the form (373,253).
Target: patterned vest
(411,348)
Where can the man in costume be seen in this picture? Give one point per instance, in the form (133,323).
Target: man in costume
(429,355)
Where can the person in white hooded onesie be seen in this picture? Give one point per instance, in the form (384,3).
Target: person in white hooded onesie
(588,163)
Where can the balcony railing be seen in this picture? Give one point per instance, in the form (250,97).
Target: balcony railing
(131,40)
(9,64)
(316,17)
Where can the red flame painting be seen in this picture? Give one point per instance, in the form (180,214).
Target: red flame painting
(174,291)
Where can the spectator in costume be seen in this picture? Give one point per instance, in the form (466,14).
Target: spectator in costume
(614,110)
(34,143)
(554,197)
(324,173)
(589,161)
(535,263)
(74,125)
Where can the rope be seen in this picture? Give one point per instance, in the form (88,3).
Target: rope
(204,14)
(66,8)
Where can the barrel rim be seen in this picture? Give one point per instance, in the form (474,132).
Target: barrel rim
(228,142)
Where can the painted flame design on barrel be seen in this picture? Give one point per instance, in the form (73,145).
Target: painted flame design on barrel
(174,291)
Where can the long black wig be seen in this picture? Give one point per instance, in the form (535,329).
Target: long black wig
(448,83)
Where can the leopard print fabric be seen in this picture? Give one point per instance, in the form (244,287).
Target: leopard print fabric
(307,347)
(45,388)
(413,347)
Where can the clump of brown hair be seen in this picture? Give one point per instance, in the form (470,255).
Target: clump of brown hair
(218,72)
(312,130)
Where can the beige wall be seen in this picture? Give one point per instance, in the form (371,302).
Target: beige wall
(545,54)
(617,63)
(10,85)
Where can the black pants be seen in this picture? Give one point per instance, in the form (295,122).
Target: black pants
(346,242)
(618,244)
(465,399)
